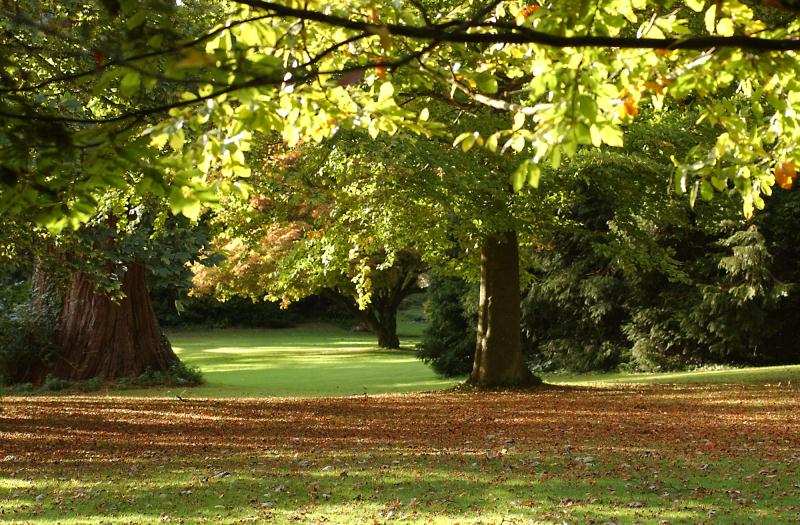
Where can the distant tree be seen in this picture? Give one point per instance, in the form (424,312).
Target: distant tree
(298,235)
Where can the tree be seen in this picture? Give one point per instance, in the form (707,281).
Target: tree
(639,278)
(309,71)
(106,324)
(300,234)
(89,297)
(455,208)
(569,76)
(107,338)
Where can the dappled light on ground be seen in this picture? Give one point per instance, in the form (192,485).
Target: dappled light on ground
(623,454)
(311,360)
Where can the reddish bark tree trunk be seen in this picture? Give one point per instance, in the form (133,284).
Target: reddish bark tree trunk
(101,338)
(498,353)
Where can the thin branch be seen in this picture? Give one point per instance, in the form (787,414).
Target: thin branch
(319,56)
(524,35)
(255,82)
(134,58)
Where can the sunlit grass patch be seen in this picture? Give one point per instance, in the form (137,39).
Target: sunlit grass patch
(311,360)
(410,488)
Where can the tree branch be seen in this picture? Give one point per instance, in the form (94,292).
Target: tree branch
(505,34)
(134,58)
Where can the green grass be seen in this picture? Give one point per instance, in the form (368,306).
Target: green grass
(331,461)
(326,360)
(534,458)
(311,360)
(320,360)
(760,375)
(275,490)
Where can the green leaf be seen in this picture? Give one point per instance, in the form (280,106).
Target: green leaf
(137,19)
(129,84)
(588,108)
(596,136)
(248,35)
(706,191)
(693,193)
(612,136)
(517,143)
(373,129)
(534,174)
(467,143)
(696,5)
(718,183)
(486,83)
(711,18)
(725,27)
(386,92)
(519,176)
(555,158)
(176,140)
(519,121)
(191,210)
(467,140)
(158,140)
(528,171)
(156,41)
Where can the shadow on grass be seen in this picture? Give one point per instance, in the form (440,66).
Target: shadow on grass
(395,486)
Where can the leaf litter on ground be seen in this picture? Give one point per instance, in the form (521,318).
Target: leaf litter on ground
(552,455)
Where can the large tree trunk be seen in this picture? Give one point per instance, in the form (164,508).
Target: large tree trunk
(102,338)
(498,352)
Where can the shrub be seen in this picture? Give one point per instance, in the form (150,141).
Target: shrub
(55,384)
(27,339)
(182,374)
(448,341)
(90,385)
(179,374)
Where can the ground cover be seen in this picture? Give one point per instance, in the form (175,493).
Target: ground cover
(624,454)
(721,375)
(310,360)
(325,360)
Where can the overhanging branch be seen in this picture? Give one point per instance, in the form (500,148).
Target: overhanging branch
(497,33)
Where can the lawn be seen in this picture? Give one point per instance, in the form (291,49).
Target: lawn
(311,360)
(731,376)
(326,360)
(625,454)
(721,447)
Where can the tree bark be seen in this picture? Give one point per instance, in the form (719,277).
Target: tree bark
(380,315)
(102,338)
(498,352)
(383,323)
